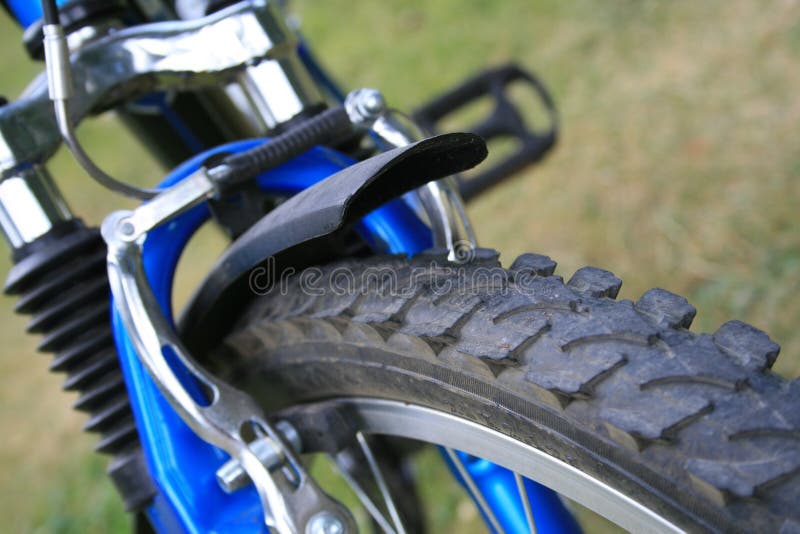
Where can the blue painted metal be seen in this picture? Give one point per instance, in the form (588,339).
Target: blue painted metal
(159,104)
(181,464)
(26,12)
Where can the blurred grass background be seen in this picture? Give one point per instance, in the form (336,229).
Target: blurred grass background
(678,166)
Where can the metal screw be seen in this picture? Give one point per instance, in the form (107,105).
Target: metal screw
(372,101)
(126,228)
(364,106)
(232,476)
(325,523)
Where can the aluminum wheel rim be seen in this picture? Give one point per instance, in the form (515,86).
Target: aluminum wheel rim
(401,419)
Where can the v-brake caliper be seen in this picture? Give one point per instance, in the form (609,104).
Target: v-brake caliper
(265,454)
(221,415)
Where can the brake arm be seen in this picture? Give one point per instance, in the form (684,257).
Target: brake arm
(289,497)
(289,500)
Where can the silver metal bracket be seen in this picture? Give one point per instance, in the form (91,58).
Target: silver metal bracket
(438,202)
(160,56)
(290,498)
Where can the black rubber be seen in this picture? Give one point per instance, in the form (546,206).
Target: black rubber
(695,426)
(327,127)
(61,282)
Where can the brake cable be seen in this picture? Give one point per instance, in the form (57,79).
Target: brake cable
(59,84)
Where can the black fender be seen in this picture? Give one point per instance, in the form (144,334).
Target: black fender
(301,231)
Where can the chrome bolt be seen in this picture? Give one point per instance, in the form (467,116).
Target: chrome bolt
(325,523)
(126,228)
(372,101)
(364,106)
(232,476)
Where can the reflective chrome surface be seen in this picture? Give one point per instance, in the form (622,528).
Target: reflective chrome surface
(132,226)
(278,90)
(289,497)
(91,32)
(30,205)
(364,106)
(392,418)
(232,476)
(164,55)
(57,65)
(440,200)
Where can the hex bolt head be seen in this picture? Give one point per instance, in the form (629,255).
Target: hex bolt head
(364,106)
(372,101)
(325,523)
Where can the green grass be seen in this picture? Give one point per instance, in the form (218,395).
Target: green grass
(678,166)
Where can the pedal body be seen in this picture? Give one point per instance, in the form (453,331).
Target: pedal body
(505,121)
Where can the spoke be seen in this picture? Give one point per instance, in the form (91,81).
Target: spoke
(376,473)
(364,498)
(473,489)
(526,502)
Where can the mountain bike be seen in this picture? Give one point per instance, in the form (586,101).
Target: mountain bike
(353,315)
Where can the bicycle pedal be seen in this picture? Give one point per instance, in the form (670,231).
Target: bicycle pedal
(506,121)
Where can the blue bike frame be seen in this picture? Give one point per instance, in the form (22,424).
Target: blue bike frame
(182,466)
